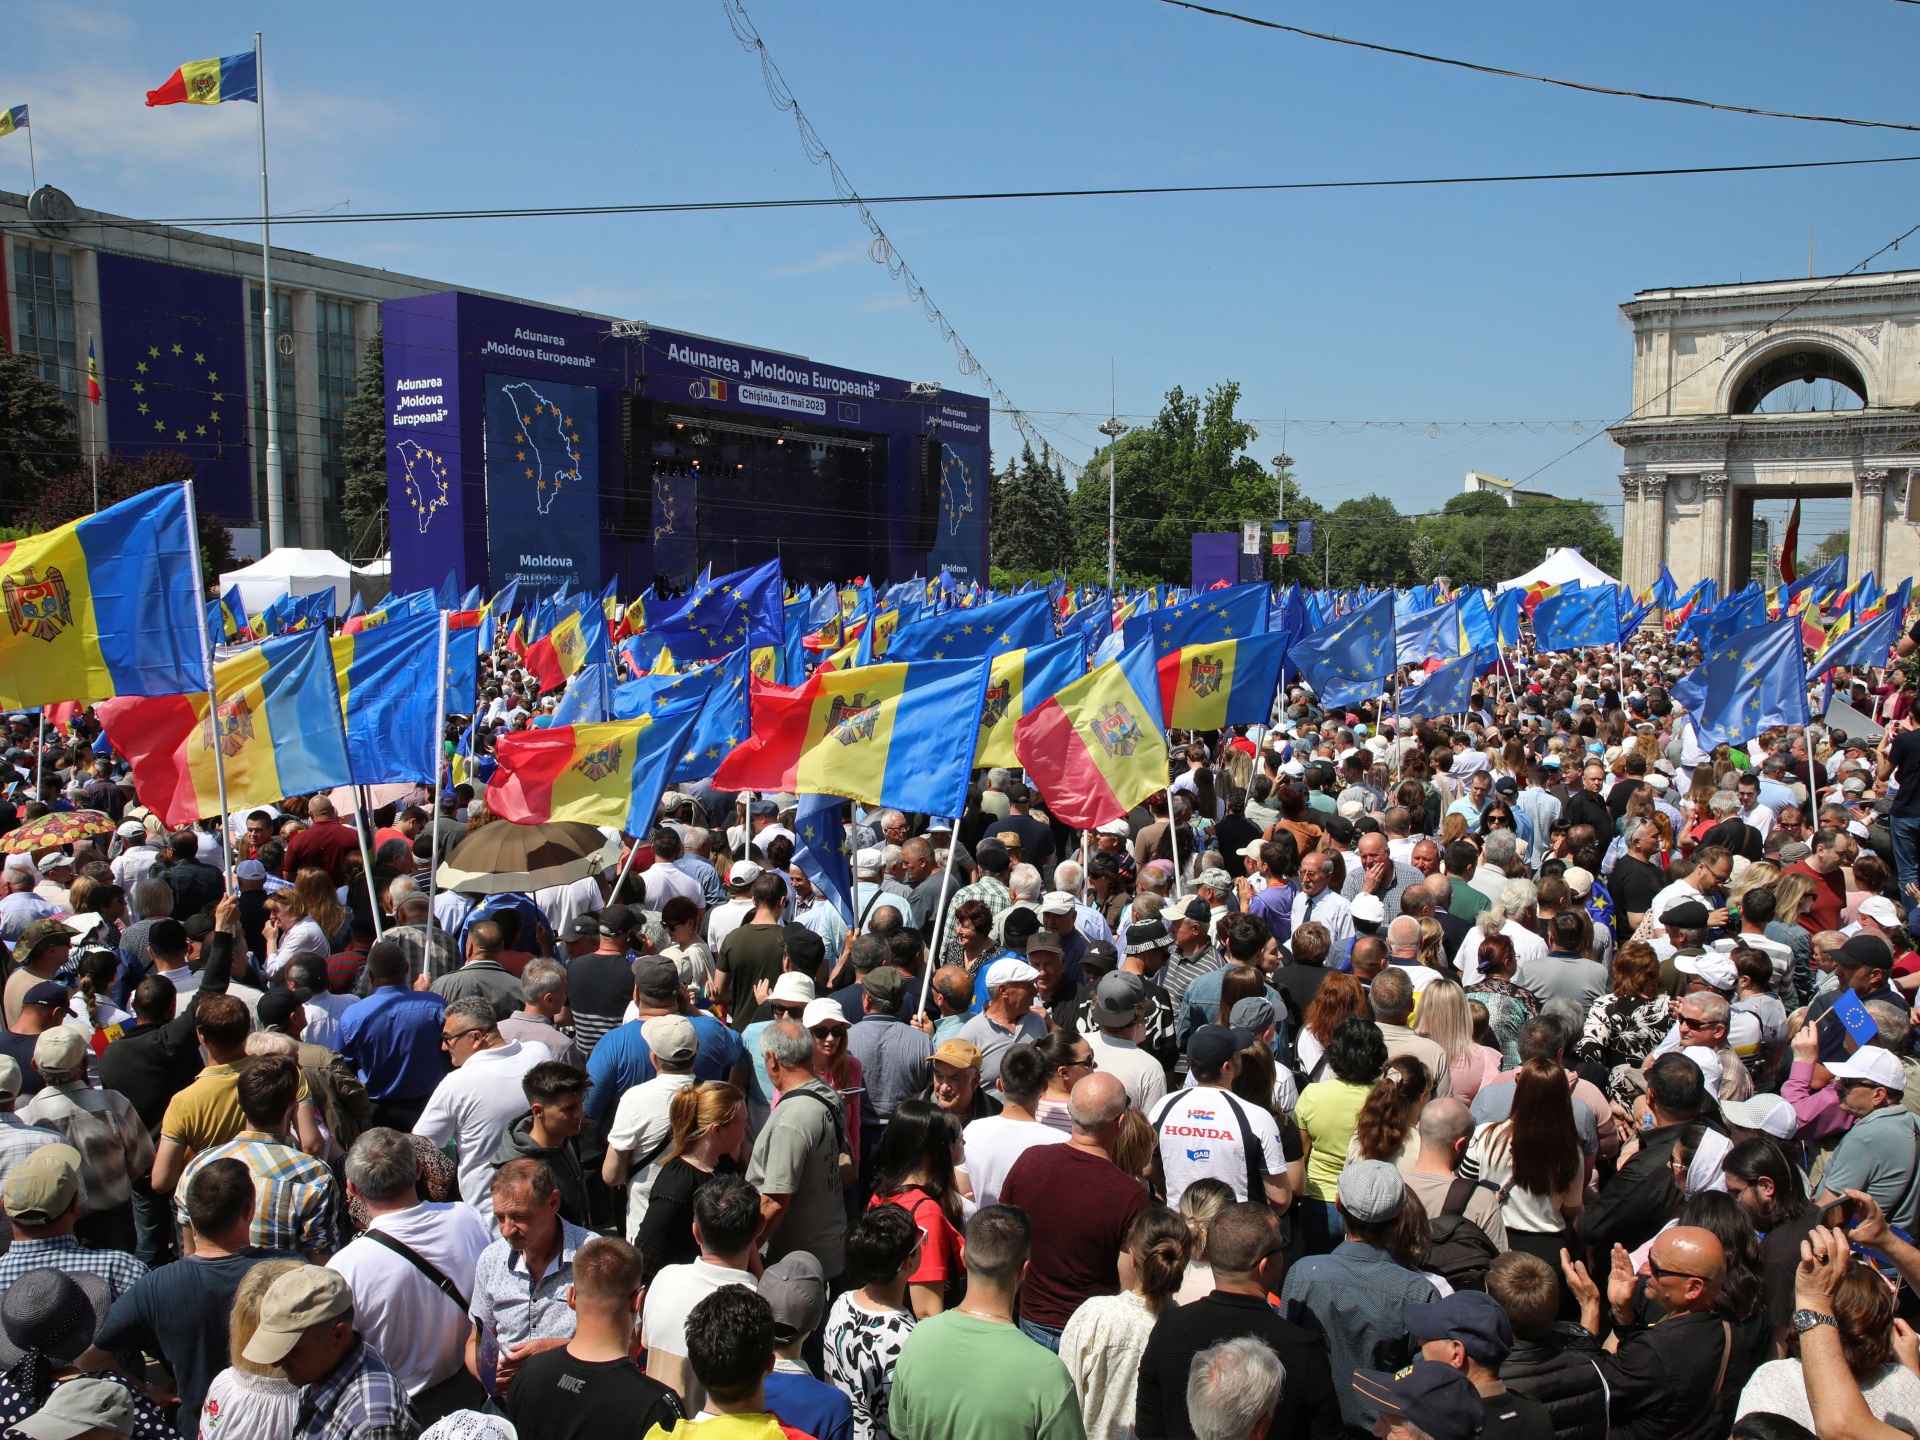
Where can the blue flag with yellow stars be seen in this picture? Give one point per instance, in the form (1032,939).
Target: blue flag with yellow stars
(1229,614)
(992,629)
(1753,681)
(1436,634)
(744,608)
(820,850)
(1740,611)
(1448,690)
(1350,660)
(1576,618)
(723,721)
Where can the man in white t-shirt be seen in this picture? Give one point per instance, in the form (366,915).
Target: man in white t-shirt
(1206,1132)
(994,1142)
(726,1218)
(642,1123)
(1116,1040)
(477,1102)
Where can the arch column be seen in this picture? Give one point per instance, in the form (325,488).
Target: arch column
(1869,525)
(1632,532)
(1653,529)
(1713,527)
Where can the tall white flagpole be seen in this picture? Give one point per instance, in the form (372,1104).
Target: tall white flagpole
(269,354)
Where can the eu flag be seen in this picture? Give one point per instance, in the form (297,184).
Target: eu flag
(1865,644)
(1577,618)
(820,850)
(1010,624)
(1740,611)
(1447,691)
(1436,634)
(1753,681)
(1350,661)
(1228,614)
(723,721)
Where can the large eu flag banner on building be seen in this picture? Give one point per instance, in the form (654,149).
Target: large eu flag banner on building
(173,363)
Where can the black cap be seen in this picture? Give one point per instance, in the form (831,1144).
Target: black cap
(806,951)
(1865,949)
(581,927)
(991,856)
(1018,925)
(1100,955)
(1339,827)
(1687,915)
(1017,794)
(656,977)
(276,1006)
(198,927)
(617,920)
(1437,1398)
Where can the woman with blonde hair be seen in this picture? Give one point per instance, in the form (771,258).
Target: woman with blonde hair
(1106,1336)
(1199,1203)
(248,1399)
(1433,946)
(709,1131)
(307,920)
(1446,1018)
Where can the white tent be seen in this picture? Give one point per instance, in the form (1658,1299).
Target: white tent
(287,571)
(1561,567)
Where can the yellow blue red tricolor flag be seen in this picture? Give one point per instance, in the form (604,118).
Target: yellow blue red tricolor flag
(1224,682)
(208,82)
(898,734)
(610,774)
(109,605)
(1017,684)
(278,732)
(1098,747)
(13,119)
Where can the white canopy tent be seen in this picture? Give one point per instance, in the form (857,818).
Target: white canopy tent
(1561,567)
(288,571)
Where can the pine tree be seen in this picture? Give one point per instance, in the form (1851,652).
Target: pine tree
(1049,538)
(37,437)
(364,505)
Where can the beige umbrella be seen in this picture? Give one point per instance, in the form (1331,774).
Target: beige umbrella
(502,857)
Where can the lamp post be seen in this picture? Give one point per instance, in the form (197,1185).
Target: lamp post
(1113,428)
(1281,463)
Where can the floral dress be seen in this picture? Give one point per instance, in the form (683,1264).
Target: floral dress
(1622,1030)
(860,1349)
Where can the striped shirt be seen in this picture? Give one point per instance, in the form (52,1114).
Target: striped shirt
(360,1400)
(17,1141)
(63,1252)
(988,891)
(296,1203)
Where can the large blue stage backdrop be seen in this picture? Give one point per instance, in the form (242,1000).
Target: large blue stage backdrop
(543,484)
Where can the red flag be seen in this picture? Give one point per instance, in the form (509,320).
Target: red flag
(1789,547)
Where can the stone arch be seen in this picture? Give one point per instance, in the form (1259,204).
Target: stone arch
(1797,355)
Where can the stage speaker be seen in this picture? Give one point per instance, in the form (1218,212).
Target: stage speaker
(926,531)
(636,441)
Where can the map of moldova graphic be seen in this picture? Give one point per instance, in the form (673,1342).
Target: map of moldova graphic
(426,480)
(547,443)
(956,487)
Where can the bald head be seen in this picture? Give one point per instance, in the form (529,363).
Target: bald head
(1445,1126)
(1403,938)
(1097,1101)
(1684,1268)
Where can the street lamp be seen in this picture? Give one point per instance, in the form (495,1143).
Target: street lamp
(1113,428)
(1281,463)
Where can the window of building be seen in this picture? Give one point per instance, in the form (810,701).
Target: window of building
(289,449)
(338,354)
(43,296)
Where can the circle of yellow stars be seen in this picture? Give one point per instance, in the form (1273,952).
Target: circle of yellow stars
(160,426)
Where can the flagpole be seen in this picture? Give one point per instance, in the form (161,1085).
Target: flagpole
(1173,840)
(625,866)
(213,688)
(269,356)
(364,810)
(939,923)
(433,818)
(33,166)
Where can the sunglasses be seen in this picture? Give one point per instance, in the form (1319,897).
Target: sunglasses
(1661,1272)
(789,1012)
(449,1038)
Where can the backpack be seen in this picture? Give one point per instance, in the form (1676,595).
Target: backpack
(1461,1251)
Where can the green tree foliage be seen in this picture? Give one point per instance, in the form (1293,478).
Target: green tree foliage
(69,497)
(364,506)
(1028,524)
(37,437)
(1832,548)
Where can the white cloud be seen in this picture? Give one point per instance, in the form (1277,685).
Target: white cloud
(826,260)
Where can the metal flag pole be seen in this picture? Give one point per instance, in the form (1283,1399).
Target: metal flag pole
(363,813)
(1173,839)
(939,922)
(439,730)
(269,354)
(213,687)
(625,866)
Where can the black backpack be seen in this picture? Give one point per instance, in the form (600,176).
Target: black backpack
(1461,1250)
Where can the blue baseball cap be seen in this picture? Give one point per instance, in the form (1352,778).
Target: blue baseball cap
(1472,1317)
(1435,1397)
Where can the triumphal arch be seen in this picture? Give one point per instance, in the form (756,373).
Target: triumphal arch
(1771,390)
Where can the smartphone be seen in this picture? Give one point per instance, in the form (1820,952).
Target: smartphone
(1841,1213)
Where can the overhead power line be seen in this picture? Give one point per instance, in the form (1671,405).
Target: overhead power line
(1406,54)
(543,212)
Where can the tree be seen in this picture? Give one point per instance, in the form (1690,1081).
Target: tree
(37,437)
(364,506)
(69,497)
(1030,527)
(1832,548)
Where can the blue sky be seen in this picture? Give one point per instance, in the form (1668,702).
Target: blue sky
(1482,304)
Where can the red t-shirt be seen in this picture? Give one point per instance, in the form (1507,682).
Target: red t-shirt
(941,1252)
(325,846)
(1825,908)
(1076,1246)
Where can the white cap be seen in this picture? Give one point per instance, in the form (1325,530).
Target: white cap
(792,988)
(824,1011)
(1369,908)
(1009,971)
(130,830)
(1709,1064)
(1057,902)
(1579,881)
(1769,1114)
(1115,827)
(743,872)
(1716,969)
(867,861)
(1871,1063)
(1880,909)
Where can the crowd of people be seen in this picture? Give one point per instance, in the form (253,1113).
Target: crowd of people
(1537,1074)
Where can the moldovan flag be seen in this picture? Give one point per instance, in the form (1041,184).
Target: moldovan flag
(553,658)
(1099,747)
(278,730)
(1227,682)
(610,774)
(1019,682)
(899,734)
(108,605)
(208,82)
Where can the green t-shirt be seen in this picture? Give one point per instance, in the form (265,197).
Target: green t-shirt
(750,954)
(962,1378)
(1467,902)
